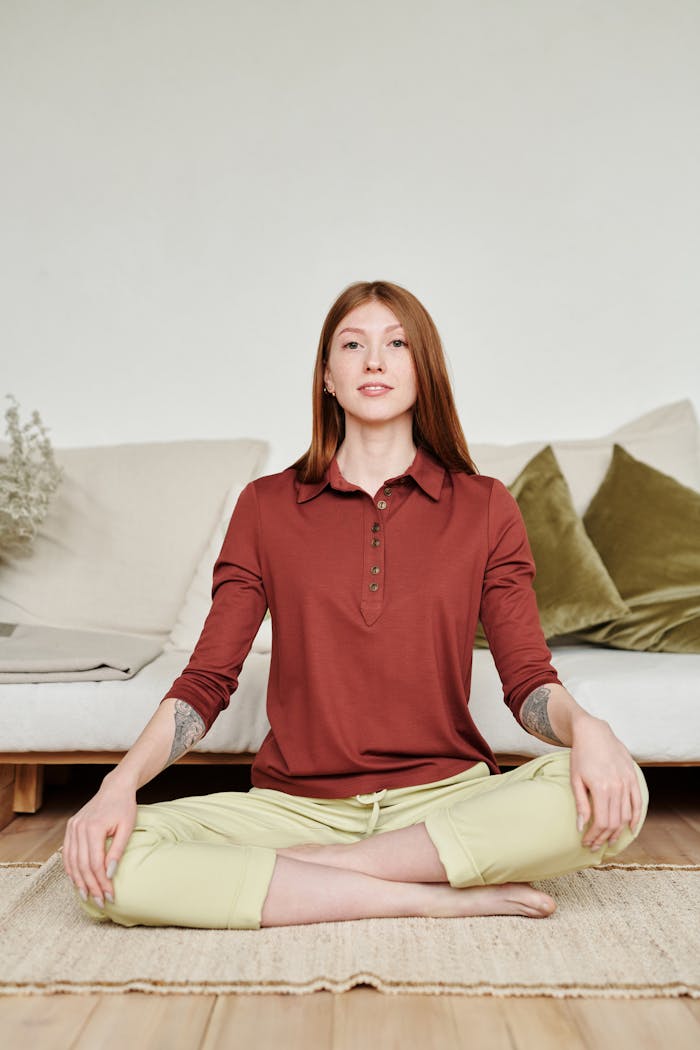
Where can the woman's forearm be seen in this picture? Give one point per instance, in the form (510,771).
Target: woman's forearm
(551,713)
(174,728)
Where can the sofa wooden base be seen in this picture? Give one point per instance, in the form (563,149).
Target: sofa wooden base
(22,775)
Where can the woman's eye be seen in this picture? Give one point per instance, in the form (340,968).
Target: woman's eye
(352,343)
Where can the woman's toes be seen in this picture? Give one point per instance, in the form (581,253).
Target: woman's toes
(535,901)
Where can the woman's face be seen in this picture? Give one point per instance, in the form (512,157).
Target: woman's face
(369,347)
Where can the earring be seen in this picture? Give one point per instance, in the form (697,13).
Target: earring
(326,391)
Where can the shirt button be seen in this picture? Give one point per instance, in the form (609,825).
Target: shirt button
(375,542)
(374,586)
(381,504)
(387,490)
(375,526)
(374,569)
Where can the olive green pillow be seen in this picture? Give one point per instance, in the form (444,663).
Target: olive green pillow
(572,585)
(646,528)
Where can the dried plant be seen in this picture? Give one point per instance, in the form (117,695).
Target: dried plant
(29,476)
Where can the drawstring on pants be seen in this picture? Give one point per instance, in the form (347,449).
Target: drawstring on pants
(374,797)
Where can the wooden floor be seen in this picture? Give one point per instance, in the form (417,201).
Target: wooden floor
(361,1017)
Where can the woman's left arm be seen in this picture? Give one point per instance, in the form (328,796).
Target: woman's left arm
(600,762)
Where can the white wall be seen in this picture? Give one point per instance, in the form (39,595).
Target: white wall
(186,186)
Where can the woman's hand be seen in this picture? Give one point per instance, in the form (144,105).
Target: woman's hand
(110,812)
(602,765)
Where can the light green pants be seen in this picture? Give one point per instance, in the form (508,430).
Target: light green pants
(207,860)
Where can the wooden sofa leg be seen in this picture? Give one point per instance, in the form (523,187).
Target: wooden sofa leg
(29,788)
(7,790)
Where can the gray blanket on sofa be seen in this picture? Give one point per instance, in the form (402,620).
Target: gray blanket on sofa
(36,653)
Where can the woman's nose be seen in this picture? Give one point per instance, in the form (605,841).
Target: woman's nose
(374,359)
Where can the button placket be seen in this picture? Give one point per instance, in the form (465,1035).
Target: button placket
(375,542)
(374,548)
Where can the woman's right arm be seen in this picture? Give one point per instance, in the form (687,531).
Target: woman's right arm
(174,728)
(210,678)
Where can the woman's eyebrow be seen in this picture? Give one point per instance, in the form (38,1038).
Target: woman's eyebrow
(361,331)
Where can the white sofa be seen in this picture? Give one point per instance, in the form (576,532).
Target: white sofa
(129,545)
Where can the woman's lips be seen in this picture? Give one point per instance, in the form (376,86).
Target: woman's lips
(374,392)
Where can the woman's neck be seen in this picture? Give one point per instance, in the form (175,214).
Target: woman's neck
(369,467)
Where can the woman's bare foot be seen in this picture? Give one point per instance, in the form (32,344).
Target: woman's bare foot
(507,898)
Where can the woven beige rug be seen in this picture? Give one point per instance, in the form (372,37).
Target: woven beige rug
(619,931)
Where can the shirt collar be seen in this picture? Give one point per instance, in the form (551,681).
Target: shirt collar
(425,469)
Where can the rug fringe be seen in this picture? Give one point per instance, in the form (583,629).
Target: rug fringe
(325,984)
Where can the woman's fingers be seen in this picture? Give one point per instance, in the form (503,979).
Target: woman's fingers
(108,815)
(96,849)
(614,808)
(583,808)
(601,817)
(625,815)
(113,855)
(614,819)
(87,875)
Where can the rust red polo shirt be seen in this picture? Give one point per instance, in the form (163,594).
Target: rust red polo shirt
(374,603)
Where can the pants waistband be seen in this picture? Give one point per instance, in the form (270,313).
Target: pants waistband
(373,799)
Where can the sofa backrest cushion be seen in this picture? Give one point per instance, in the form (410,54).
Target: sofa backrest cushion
(666,438)
(124,533)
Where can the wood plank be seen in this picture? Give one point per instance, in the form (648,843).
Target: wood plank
(541,1023)
(44,1022)
(29,788)
(482,1014)
(146,1021)
(7,774)
(642,1024)
(693,1006)
(294,1022)
(426,1021)
(33,836)
(690,817)
(667,839)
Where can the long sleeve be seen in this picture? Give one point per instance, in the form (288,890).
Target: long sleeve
(238,607)
(508,611)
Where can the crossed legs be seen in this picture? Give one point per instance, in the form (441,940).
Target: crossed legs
(469,846)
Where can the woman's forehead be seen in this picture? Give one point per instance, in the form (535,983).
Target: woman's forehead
(369,317)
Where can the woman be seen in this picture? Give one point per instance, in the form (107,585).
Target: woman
(373,794)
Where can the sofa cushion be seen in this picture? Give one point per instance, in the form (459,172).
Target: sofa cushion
(572,585)
(646,527)
(667,438)
(124,534)
(621,687)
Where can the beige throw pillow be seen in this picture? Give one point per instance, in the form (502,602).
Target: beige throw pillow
(124,534)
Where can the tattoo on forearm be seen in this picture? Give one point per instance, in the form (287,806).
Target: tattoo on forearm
(533,714)
(189,727)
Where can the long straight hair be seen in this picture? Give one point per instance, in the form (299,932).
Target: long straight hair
(436,426)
